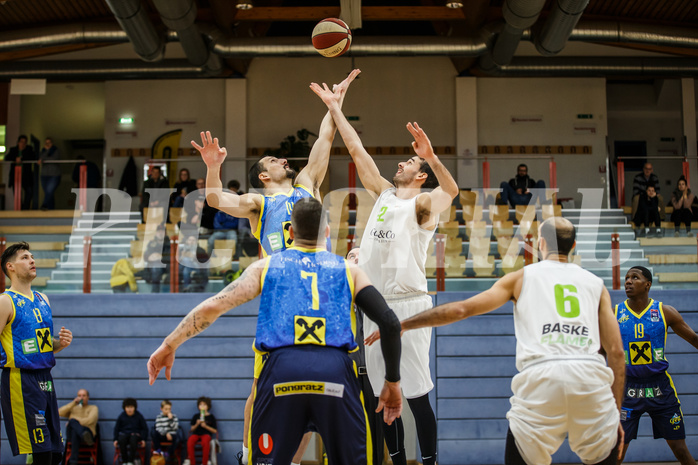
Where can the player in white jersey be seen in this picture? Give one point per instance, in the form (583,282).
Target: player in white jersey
(393,255)
(562,317)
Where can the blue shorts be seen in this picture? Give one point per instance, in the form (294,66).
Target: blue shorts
(29,405)
(309,386)
(656,396)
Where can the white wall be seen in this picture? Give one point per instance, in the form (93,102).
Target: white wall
(558,101)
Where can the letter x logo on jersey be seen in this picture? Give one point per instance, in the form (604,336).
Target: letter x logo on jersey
(43,335)
(309,330)
(641,353)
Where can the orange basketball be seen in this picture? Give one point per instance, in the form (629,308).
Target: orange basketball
(331,37)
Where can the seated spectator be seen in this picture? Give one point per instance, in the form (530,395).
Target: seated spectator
(647,215)
(154,181)
(682,201)
(225,227)
(640,183)
(157,258)
(184,183)
(82,423)
(518,190)
(130,431)
(178,201)
(203,428)
(123,276)
(166,430)
(194,214)
(208,211)
(192,269)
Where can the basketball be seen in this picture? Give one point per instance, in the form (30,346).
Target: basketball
(331,37)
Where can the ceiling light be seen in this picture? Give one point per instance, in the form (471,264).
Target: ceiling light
(244,4)
(450,4)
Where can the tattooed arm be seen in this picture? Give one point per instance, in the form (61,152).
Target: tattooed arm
(242,290)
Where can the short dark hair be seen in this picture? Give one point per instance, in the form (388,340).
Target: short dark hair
(22,136)
(522,165)
(205,400)
(233,184)
(10,252)
(644,271)
(129,402)
(308,219)
(255,171)
(156,167)
(431,182)
(562,235)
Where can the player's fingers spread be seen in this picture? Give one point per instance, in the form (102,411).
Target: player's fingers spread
(196,146)
(208,136)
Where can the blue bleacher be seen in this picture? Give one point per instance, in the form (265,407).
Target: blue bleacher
(473,362)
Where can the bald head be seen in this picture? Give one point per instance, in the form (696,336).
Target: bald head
(559,235)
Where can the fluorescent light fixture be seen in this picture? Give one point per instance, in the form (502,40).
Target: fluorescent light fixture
(2,149)
(244,4)
(450,4)
(126,120)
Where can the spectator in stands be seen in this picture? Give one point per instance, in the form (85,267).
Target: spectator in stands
(123,276)
(228,227)
(155,181)
(166,429)
(518,190)
(647,214)
(208,212)
(130,431)
(22,152)
(192,271)
(682,201)
(184,183)
(203,428)
(640,183)
(50,173)
(157,257)
(194,214)
(82,423)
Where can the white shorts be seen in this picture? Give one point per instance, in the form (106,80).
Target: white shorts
(415,377)
(558,398)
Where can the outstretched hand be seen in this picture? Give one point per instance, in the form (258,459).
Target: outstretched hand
(164,357)
(325,93)
(212,154)
(422,144)
(344,85)
(390,401)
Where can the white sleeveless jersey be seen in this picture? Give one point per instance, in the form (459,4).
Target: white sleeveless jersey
(394,246)
(557,314)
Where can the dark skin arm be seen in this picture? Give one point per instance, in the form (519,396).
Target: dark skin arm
(679,325)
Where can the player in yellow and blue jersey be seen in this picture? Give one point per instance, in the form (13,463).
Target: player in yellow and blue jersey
(269,210)
(307,325)
(27,395)
(649,388)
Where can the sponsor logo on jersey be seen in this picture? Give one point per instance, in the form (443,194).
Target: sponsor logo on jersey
(676,419)
(309,330)
(623,319)
(40,419)
(21,302)
(640,353)
(654,315)
(46,386)
(43,335)
(276,242)
(643,392)
(29,346)
(266,444)
(576,335)
(309,387)
(382,235)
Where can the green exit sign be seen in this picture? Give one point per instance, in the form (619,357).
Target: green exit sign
(352,118)
(585,116)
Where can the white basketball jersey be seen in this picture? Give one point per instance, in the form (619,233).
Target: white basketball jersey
(394,246)
(557,314)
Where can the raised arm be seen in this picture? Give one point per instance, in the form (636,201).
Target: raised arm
(430,204)
(240,206)
(242,290)
(314,172)
(612,344)
(368,171)
(679,325)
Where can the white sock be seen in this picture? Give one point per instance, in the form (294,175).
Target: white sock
(245,455)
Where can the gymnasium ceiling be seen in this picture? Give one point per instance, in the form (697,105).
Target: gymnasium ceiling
(382,21)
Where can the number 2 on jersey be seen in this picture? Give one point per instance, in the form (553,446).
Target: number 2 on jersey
(313,288)
(382,212)
(566,300)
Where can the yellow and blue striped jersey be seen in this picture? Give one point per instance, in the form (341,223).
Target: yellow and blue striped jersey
(307,298)
(644,339)
(27,339)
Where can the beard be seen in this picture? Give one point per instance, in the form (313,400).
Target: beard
(290,173)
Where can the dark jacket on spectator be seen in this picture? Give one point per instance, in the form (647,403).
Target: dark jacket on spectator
(522,182)
(27,155)
(640,183)
(130,425)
